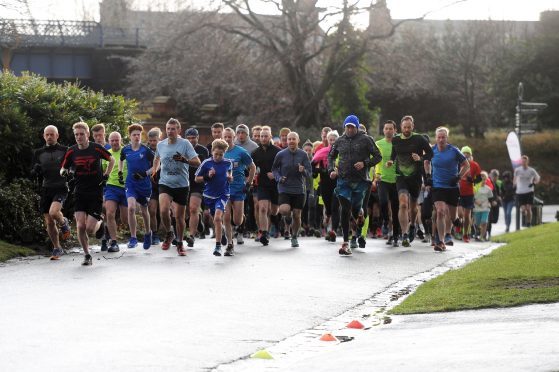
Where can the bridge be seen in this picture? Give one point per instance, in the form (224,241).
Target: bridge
(69,50)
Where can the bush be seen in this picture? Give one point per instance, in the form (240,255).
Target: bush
(29,103)
(20,219)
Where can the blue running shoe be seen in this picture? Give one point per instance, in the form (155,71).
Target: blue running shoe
(155,240)
(147,240)
(133,242)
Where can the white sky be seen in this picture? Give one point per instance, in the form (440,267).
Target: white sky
(470,9)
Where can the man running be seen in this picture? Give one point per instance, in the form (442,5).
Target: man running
(448,165)
(256,133)
(86,157)
(174,155)
(525,177)
(408,151)
(386,179)
(217,133)
(98,134)
(356,153)
(196,189)
(291,170)
(239,187)
(267,191)
(154,136)
(54,189)
(249,223)
(139,160)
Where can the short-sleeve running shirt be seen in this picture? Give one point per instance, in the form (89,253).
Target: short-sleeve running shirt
(446,165)
(402,150)
(137,161)
(87,163)
(241,160)
(218,185)
(174,173)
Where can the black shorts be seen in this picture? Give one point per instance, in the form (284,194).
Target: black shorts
(373,199)
(296,201)
(154,191)
(268,193)
(179,195)
(90,203)
(410,185)
(467,201)
(450,196)
(196,188)
(525,199)
(50,195)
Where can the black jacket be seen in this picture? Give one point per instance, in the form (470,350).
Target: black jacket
(46,163)
(350,150)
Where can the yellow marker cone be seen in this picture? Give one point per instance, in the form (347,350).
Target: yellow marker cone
(262,354)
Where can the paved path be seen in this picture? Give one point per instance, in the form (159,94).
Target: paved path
(152,310)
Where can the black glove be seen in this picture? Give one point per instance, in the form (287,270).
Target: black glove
(139,176)
(179,157)
(104,180)
(531,185)
(470,179)
(428,180)
(37,170)
(120,178)
(454,181)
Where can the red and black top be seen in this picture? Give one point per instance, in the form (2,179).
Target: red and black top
(87,165)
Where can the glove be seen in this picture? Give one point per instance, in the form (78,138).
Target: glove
(37,170)
(470,179)
(454,181)
(104,180)
(428,180)
(531,185)
(179,157)
(120,178)
(64,172)
(139,176)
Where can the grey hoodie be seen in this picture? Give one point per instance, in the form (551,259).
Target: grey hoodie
(286,164)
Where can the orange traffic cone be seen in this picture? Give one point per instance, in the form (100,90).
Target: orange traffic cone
(356,324)
(328,337)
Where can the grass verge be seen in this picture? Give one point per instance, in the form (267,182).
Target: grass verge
(524,271)
(9,251)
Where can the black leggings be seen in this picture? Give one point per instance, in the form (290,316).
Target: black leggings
(389,194)
(346,214)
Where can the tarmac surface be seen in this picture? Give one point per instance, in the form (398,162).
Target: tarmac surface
(154,311)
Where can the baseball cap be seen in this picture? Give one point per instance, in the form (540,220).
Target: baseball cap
(466,149)
(191,132)
(351,120)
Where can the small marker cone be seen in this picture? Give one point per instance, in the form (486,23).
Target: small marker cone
(356,324)
(262,354)
(328,337)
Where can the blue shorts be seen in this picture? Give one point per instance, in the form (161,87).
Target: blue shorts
(216,203)
(237,194)
(354,191)
(139,192)
(481,217)
(116,194)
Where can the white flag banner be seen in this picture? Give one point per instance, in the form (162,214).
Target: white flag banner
(515,152)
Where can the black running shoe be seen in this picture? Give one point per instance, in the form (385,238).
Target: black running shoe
(411,235)
(190,241)
(229,251)
(390,240)
(420,234)
(223,239)
(87,260)
(217,250)
(104,245)
(264,239)
(361,241)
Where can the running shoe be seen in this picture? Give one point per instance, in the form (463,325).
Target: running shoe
(411,234)
(65,230)
(114,247)
(155,240)
(466,238)
(229,251)
(190,241)
(240,239)
(353,242)
(384,231)
(180,249)
(448,240)
(405,241)
(426,238)
(224,240)
(104,245)
(167,242)
(56,253)
(217,250)
(147,240)
(294,242)
(395,242)
(258,237)
(420,234)
(264,239)
(317,233)
(345,250)
(440,247)
(332,236)
(87,260)
(133,242)
(390,240)
(286,235)
(361,241)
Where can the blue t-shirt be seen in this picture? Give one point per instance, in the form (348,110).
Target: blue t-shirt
(241,160)
(138,161)
(446,165)
(174,173)
(218,185)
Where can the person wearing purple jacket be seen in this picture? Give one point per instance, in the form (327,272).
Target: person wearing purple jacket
(291,169)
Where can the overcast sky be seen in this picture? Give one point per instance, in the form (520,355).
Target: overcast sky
(470,9)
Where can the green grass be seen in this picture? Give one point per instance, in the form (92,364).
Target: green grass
(9,251)
(524,271)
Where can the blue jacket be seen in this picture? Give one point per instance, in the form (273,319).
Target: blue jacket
(286,164)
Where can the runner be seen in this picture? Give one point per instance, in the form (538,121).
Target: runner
(216,173)
(115,198)
(283,137)
(525,177)
(291,169)
(323,138)
(249,222)
(174,155)
(196,189)
(482,201)
(54,188)
(267,191)
(256,133)
(86,157)
(239,187)
(356,152)
(385,178)
(217,133)
(139,160)
(408,150)
(449,165)
(466,186)
(98,134)
(154,136)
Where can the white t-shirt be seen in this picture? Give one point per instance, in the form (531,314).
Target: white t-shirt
(525,177)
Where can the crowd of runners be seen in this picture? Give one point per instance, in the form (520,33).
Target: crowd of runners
(248,184)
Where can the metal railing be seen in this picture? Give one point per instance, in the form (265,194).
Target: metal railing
(22,33)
